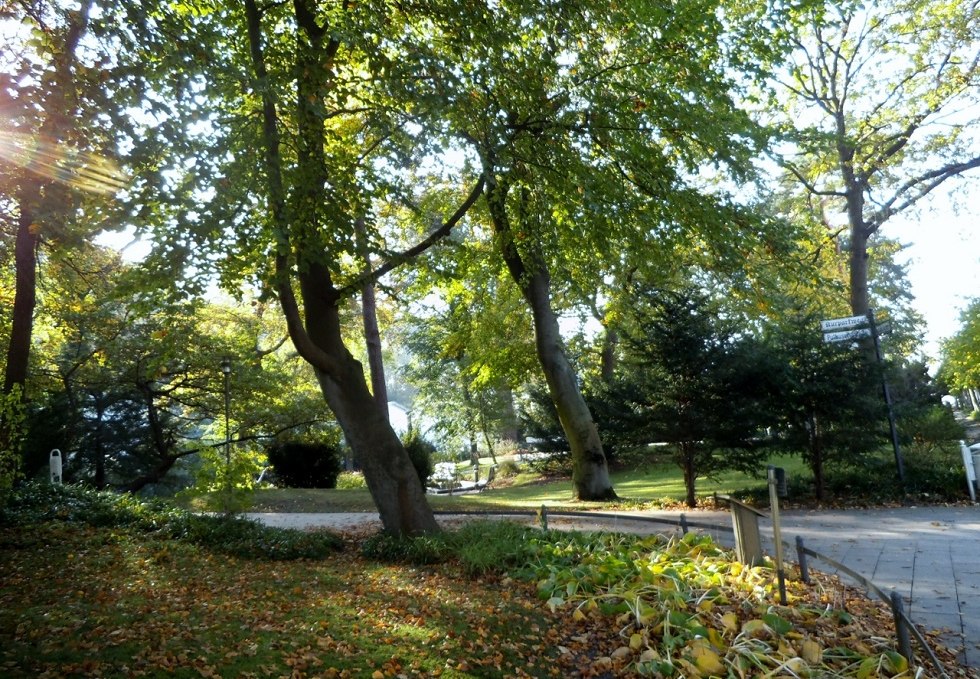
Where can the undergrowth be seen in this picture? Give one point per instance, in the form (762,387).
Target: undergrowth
(233,535)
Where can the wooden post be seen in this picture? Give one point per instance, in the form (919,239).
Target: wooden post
(901,626)
(801,557)
(776,537)
(684,524)
(543,517)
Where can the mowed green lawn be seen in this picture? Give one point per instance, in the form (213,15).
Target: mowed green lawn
(653,485)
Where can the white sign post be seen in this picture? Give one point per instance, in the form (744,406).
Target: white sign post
(55,464)
(846,335)
(843,323)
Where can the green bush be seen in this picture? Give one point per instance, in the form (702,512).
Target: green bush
(419,550)
(508,468)
(480,547)
(350,480)
(421,453)
(235,536)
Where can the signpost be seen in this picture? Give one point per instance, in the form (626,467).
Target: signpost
(846,335)
(843,323)
(857,327)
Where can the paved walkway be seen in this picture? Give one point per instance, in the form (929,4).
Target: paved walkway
(931,555)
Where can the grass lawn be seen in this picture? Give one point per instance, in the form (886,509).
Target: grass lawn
(653,485)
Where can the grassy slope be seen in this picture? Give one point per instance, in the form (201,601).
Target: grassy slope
(656,484)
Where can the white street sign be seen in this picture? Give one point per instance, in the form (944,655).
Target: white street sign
(847,335)
(842,323)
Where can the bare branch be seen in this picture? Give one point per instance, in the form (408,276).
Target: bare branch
(919,187)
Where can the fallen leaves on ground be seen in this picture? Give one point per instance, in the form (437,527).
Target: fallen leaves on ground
(87,602)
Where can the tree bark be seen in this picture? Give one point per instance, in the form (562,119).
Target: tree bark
(388,471)
(58,116)
(860,233)
(610,339)
(816,458)
(512,423)
(590,470)
(25,294)
(690,474)
(390,476)
(372,336)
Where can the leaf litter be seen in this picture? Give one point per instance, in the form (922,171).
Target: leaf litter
(81,601)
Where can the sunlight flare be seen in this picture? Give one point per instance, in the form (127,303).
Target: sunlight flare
(60,162)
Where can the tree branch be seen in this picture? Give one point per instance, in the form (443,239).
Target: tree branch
(922,186)
(400,258)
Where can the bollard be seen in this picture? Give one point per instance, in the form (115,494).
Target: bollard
(543,517)
(801,557)
(684,527)
(901,626)
(55,464)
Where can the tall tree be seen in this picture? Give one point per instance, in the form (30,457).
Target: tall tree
(884,99)
(693,377)
(589,123)
(960,368)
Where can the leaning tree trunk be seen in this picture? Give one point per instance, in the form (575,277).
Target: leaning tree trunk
(590,470)
(390,475)
(391,478)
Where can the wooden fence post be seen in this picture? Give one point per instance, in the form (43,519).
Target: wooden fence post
(801,558)
(901,626)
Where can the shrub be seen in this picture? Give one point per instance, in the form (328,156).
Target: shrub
(350,480)
(480,547)
(305,465)
(421,453)
(419,550)
(508,468)
(236,536)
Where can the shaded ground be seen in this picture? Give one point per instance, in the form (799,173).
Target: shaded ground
(931,555)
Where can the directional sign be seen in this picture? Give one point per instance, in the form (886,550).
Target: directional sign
(843,323)
(847,335)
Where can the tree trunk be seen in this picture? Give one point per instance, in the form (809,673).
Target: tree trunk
(854,185)
(25,295)
(590,471)
(58,116)
(512,423)
(860,302)
(388,471)
(690,476)
(156,474)
(390,475)
(608,367)
(816,459)
(372,336)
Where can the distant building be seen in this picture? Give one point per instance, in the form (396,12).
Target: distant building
(399,416)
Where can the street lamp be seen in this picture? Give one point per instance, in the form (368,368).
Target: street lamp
(226,369)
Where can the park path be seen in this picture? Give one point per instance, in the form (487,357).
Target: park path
(930,555)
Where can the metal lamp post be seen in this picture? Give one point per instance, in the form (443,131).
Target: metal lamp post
(226,369)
